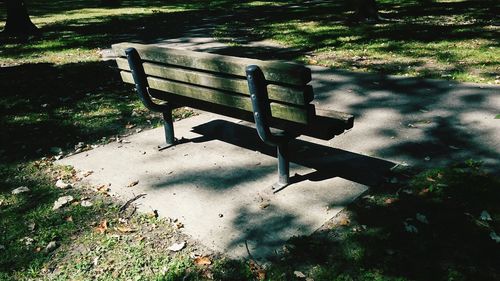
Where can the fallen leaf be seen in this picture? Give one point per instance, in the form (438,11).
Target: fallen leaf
(421,218)
(485,216)
(153,214)
(69,219)
(102,227)
(20,189)
(88,173)
(103,189)
(495,237)
(38,249)
(424,191)
(299,274)
(62,201)
(177,246)
(261,274)
(264,205)
(134,183)
(344,221)
(410,228)
(431,179)
(389,201)
(202,261)
(179,225)
(130,126)
(86,203)
(125,229)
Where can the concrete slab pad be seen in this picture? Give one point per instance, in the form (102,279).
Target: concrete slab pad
(218,183)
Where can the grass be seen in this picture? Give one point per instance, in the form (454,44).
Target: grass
(57,94)
(455,40)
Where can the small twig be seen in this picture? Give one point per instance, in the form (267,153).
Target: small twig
(250,254)
(125,206)
(132,213)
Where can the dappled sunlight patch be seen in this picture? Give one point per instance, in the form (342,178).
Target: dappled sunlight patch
(94,15)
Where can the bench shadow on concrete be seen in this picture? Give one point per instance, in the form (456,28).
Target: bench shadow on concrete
(262,229)
(328,162)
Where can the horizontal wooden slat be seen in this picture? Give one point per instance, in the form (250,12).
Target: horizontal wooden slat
(240,102)
(322,127)
(293,95)
(279,72)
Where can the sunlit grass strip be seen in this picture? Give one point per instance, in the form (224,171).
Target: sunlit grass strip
(102,14)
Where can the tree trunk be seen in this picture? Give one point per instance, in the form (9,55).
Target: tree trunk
(18,21)
(366,10)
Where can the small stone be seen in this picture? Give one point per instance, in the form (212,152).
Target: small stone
(86,203)
(299,274)
(62,185)
(221,215)
(51,246)
(62,201)
(177,246)
(20,189)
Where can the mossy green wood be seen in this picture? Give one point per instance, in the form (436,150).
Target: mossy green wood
(277,72)
(292,94)
(281,111)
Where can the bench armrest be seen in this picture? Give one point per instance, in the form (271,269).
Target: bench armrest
(141,82)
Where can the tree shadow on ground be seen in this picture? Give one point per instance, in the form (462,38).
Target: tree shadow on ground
(46,105)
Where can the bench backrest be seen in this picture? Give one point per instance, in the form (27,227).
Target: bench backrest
(189,77)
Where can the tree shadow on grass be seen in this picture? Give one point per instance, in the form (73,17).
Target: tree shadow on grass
(45,105)
(426,229)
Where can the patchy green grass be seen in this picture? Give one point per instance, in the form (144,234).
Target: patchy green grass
(456,40)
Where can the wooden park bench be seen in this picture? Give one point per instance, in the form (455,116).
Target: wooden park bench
(274,95)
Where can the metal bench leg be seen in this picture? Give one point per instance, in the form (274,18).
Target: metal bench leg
(168,125)
(283,168)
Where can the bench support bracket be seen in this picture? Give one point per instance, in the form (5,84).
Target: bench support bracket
(142,89)
(262,113)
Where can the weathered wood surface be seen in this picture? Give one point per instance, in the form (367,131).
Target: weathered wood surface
(276,72)
(241,102)
(294,95)
(321,126)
